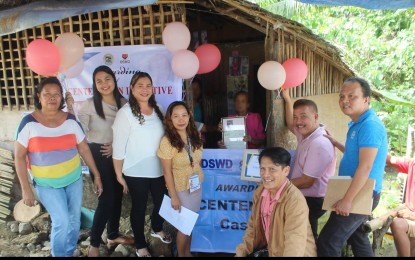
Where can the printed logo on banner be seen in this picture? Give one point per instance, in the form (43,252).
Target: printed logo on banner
(108,59)
(125,58)
(221,164)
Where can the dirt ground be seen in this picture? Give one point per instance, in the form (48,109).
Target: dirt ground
(390,195)
(10,249)
(7,248)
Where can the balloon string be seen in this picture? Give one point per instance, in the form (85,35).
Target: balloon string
(266,125)
(278,91)
(190,83)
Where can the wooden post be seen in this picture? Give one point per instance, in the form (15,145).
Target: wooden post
(379,234)
(277,132)
(189,93)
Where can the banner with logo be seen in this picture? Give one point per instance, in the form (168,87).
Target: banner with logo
(226,202)
(154,59)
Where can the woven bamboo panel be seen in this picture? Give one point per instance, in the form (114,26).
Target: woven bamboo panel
(323,77)
(117,27)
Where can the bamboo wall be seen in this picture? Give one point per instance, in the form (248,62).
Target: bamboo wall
(129,26)
(323,77)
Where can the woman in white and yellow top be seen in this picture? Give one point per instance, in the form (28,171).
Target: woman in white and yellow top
(180,152)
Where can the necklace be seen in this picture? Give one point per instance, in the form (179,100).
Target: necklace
(141,119)
(113,108)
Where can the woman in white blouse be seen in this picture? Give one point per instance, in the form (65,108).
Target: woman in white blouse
(138,129)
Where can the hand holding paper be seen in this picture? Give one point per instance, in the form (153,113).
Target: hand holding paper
(184,220)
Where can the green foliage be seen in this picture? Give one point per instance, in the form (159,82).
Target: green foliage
(379,45)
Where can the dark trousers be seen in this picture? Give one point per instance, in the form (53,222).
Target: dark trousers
(108,210)
(340,229)
(138,188)
(315,212)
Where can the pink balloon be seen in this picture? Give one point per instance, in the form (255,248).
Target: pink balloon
(176,36)
(71,48)
(209,57)
(271,75)
(185,64)
(73,71)
(296,72)
(43,57)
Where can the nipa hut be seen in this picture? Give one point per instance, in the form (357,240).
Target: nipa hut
(236,27)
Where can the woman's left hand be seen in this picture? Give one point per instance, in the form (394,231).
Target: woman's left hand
(106,150)
(98,186)
(69,100)
(247,138)
(221,144)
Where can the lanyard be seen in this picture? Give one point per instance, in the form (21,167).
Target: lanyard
(189,151)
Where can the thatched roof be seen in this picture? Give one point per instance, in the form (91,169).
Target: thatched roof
(251,15)
(258,18)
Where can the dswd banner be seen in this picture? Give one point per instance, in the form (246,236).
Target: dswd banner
(226,202)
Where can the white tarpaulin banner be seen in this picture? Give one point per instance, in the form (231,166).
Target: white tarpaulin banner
(154,59)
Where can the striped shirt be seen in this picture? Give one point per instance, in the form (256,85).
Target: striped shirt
(52,153)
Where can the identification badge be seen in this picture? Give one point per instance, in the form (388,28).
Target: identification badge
(194,182)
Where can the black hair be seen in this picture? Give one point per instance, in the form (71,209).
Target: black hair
(39,88)
(363,84)
(97,97)
(135,107)
(306,103)
(278,155)
(191,129)
(241,93)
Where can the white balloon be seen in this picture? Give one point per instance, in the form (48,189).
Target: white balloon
(176,36)
(271,75)
(71,48)
(185,64)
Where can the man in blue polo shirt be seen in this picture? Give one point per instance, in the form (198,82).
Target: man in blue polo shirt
(364,157)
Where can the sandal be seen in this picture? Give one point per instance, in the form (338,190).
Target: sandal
(146,255)
(123,240)
(165,239)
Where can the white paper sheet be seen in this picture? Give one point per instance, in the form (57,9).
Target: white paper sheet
(253,167)
(183,221)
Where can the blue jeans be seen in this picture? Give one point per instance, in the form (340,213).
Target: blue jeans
(64,207)
(340,229)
